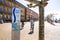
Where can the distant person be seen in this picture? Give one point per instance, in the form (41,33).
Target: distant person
(32,26)
(22,25)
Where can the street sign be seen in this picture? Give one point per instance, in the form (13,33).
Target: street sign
(16,16)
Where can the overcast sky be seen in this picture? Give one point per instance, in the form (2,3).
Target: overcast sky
(52,7)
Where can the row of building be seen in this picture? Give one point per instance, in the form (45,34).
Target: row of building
(6,10)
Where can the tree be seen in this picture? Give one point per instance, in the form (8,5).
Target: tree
(48,19)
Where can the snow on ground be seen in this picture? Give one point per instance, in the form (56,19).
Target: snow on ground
(52,32)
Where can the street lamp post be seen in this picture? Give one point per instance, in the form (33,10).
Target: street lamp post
(41,5)
(41,22)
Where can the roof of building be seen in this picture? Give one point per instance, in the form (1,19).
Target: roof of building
(23,6)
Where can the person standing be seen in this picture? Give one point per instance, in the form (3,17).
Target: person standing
(32,26)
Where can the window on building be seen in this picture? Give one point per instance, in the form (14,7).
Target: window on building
(8,16)
(12,5)
(8,3)
(5,9)
(9,11)
(1,1)
(21,11)
(1,8)
(5,16)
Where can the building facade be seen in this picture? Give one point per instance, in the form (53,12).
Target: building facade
(6,10)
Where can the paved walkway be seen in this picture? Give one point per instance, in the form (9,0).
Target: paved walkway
(24,33)
(51,32)
(5,32)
